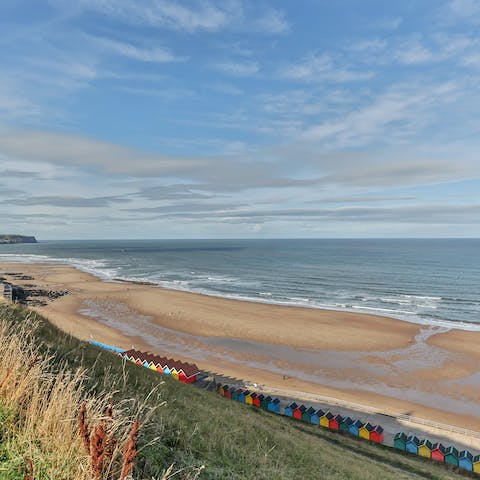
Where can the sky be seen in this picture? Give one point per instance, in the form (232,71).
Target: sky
(239,118)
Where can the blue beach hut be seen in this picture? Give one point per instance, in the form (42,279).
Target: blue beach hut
(274,405)
(314,418)
(243,395)
(465,460)
(355,427)
(290,408)
(411,445)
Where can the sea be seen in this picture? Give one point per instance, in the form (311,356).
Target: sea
(426,281)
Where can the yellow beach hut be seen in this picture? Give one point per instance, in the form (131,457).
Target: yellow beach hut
(476,463)
(325,419)
(364,431)
(174,373)
(425,448)
(249,399)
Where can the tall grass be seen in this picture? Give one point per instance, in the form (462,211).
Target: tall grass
(39,416)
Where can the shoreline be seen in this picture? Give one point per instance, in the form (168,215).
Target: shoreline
(464,325)
(357,357)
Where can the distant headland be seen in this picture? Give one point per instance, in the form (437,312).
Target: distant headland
(6,238)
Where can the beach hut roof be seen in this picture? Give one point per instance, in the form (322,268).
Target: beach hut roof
(302,408)
(268,399)
(426,443)
(438,446)
(275,400)
(368,426)
(476,459)
(319,412)
(292,405)
(378,429)
(347,420)
(338,418)
(253,395)
(400,436)
(261,397)
(451,450)
(310,410)
(239,390)
(465,454)
(413,439)
(328,414)
(358,423)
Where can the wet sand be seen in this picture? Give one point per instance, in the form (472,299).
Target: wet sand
(395,366)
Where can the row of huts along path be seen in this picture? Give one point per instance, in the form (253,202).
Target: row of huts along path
(311,415)
(437,452)
(184,372)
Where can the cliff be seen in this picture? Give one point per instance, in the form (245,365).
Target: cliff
(16,239)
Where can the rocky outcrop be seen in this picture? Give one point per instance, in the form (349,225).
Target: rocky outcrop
(9,239)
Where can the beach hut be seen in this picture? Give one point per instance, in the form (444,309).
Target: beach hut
(451,456)
(425,449)
(438,452)
(376,435)
(249,398)
(465,460)
(311,416)
(274,405)
(365,430)
(290,408)
(334,423)
(325,419)
(174,373)
(254,397)
(355,427)
(476,463)
(242,397)
(234,393)
(266,401)
(189,373)
(307,414)
(159,368)
(220,389)
(227,393)
(260,401)
(399,441)
(166,370)
(298,412)
(345,425)
(411,445)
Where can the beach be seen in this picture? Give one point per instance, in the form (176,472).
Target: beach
(395,366)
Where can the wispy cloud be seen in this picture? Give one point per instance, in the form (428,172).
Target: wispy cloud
(156,54)
(322,67)
(237,69)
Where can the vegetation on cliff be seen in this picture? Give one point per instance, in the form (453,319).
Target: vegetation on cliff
(47,376)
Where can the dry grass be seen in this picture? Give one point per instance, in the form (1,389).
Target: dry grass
(41,436)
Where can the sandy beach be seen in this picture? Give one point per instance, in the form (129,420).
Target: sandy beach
(394,366)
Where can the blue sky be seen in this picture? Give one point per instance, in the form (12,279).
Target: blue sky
(236,118)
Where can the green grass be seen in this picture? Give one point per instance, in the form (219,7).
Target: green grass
(196,428)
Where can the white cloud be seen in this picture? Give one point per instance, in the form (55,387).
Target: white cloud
(414,53)
(321,67)
(237,69)
(208,15)
(156,54)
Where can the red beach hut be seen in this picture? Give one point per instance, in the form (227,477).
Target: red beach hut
(438,452)
(376,435)
(257,401)
(334,423)
(298,412)
(226,391)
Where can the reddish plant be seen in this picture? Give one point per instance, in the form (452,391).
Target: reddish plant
(98,444)
(29,475)
(130,451)
(83,428)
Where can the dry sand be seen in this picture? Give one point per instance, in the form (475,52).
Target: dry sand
(396,366)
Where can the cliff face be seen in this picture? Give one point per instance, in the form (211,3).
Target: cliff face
(16,239)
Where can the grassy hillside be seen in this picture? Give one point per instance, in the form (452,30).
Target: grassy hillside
(208,437)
